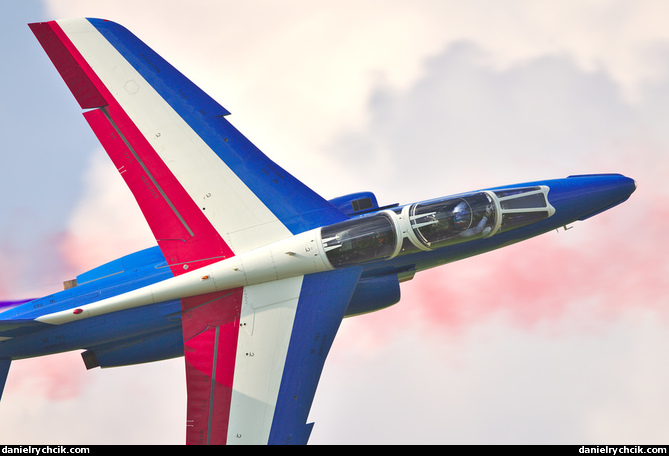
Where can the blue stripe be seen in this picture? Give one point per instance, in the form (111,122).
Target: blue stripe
(293,203)
(323,300)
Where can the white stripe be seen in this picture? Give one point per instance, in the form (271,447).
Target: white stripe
(238,215)
(268,313)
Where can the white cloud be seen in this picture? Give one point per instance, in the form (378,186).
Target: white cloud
(496,385)
(465,125)
(106,223)
(144,404)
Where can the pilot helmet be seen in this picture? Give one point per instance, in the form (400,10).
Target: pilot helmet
(462,215)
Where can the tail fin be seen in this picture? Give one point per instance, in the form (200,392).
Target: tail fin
(204,189)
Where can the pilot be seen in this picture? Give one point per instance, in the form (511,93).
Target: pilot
(480,228)
(463,219)
(462,216)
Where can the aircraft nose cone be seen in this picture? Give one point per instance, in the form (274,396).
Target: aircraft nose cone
(588,195)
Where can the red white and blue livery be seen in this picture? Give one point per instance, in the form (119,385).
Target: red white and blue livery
(253,272)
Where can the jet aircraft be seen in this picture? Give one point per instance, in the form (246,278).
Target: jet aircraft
(253,271)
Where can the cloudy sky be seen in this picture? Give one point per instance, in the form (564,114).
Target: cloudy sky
(561,339)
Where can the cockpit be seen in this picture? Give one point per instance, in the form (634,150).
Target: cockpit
(448,221)
(434,224)
(360,240)
(522,206)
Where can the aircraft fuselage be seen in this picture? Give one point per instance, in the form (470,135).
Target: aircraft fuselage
(128,311)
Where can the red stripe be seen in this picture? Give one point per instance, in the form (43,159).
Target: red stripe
(210,322)
(185,236)
(182,250)
(50,36)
